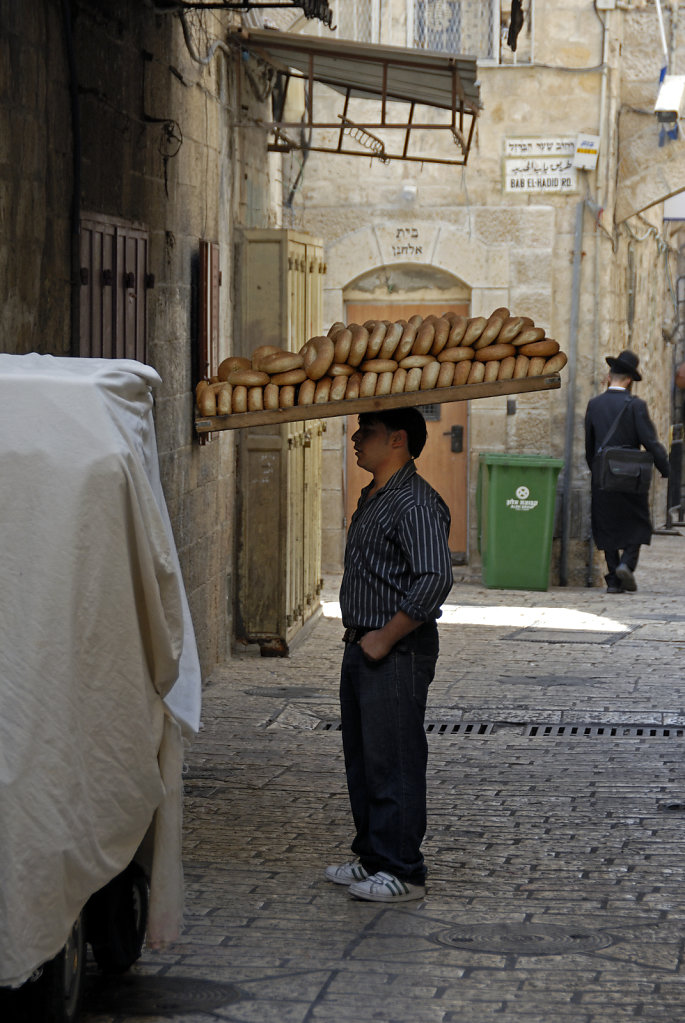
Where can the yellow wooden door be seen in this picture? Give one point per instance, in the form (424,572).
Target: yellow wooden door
(440,464)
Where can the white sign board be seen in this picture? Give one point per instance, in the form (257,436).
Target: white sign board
(540,164)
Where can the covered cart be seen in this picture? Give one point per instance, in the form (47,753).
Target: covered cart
(99,673)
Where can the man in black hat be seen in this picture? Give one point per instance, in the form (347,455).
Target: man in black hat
(620,521)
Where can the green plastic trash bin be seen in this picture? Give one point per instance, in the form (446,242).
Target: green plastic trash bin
(515,499)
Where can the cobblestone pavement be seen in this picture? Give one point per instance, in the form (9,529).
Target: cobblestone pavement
(555,843)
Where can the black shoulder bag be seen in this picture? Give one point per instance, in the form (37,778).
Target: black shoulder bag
(626,470)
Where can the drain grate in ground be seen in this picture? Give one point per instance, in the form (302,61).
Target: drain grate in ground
(154,996)
(607,731)
(524,939)
(533,730)
(460,728)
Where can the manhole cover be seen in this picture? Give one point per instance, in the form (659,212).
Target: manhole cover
(523,939)
(153,996)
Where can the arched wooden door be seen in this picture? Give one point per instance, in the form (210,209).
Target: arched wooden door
(444,460)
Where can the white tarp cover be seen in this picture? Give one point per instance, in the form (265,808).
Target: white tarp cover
(95,633)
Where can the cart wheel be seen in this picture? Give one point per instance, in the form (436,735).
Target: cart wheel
(54,996)
(116,920)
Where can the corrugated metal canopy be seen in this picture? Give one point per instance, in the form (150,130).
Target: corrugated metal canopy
(369,71)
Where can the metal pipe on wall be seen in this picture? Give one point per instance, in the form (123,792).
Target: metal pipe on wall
(571,395)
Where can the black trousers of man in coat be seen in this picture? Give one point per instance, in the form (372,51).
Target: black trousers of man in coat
(621,523)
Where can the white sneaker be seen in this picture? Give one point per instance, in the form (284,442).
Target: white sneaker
(346,873)
(382,887)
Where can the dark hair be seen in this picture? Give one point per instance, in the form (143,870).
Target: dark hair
(408,419)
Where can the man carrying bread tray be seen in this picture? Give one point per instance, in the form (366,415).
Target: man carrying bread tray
(620,521)
(397,574)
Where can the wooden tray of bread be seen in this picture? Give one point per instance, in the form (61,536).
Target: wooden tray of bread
(361,368)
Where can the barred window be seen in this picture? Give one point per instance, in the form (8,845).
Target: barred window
(456,26)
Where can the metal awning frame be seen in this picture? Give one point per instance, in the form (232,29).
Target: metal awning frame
(460,127)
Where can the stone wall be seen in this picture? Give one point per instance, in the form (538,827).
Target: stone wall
(516,249)
(157,149)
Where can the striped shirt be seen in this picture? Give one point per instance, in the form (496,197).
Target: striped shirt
(397,556)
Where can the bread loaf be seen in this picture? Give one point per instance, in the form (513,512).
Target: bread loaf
(528,334)
(429,375)
(271,396)
(547,348)
(247,378)
(536,366)
(223,398)
(457,331)
(506,368)
(384,385)
(491,371)
(293,376)
(342,343)
(424,338)
(495,352)
(416,361)
(477,373)
(457,354)
(442,328)
(323,390)
(399,379)
(413,381)
(239,399)
(206,402)
(376,338)
(318,356)
(462,371)
(407,338)
(353,385)
(360,339)
(338,388)
(510,329)
(231,363)
(305,395)
(378,366)
(555,363)
(261,352)
(367,388)
(255,399)
(446,374)
(286,396)
(280,362)
(521,367)
(475,328)
(340,370)
(335,328)
(491,331)
(391,341)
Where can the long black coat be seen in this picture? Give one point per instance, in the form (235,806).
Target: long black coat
(621,519)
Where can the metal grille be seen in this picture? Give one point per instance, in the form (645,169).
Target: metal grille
(455,26)
(530,730)
(358,20)
(605,731)
(460,728)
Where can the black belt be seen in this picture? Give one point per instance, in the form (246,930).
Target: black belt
(354,634)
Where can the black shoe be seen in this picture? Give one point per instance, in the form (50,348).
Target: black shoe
(626,577)
(614,589)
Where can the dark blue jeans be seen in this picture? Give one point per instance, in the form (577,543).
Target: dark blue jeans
(384,741)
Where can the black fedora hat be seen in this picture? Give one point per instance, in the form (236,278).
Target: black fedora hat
(626,363)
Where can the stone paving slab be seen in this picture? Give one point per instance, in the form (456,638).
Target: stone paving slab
(567,847)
